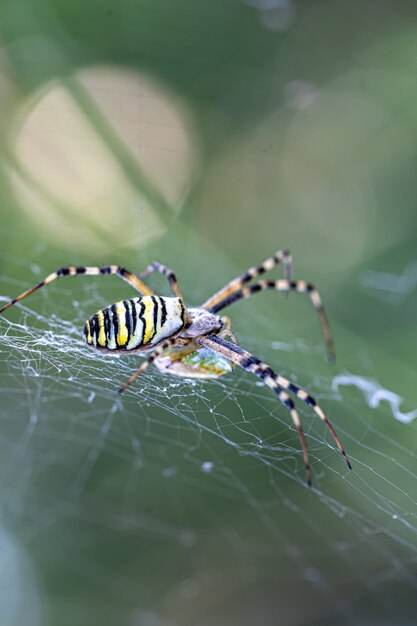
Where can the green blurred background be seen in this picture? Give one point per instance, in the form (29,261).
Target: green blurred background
(207,135)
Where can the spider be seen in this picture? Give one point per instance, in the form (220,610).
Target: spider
(165,326)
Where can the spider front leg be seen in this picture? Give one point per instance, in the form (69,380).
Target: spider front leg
(155,266)
(277,383)
(299,286)
(283,256)
(123,273)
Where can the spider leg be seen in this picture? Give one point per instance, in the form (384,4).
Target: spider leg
(237,283)
(305,397)
(240,357)
(130,278)
(151,358)
(299,286)
(227,331)
(166,271)
(277,383)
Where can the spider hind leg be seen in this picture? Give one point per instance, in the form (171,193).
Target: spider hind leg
(155,266)
(121,272)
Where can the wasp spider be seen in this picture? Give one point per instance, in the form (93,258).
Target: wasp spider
(167,327)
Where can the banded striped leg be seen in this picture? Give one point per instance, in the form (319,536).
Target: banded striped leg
(300,286)
(130,278)
(277,383)
(151,358)
(166,271)
(237,283)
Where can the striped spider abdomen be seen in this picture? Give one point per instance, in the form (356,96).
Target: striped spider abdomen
(135,324)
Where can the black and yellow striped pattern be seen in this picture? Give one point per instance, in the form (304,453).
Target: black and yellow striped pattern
(135,324)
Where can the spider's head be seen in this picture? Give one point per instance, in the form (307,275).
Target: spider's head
(201,322)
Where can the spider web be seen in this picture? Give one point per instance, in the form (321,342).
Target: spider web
(183,502)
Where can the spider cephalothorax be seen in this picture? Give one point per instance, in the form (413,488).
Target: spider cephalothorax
(201,322)
(166,326)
